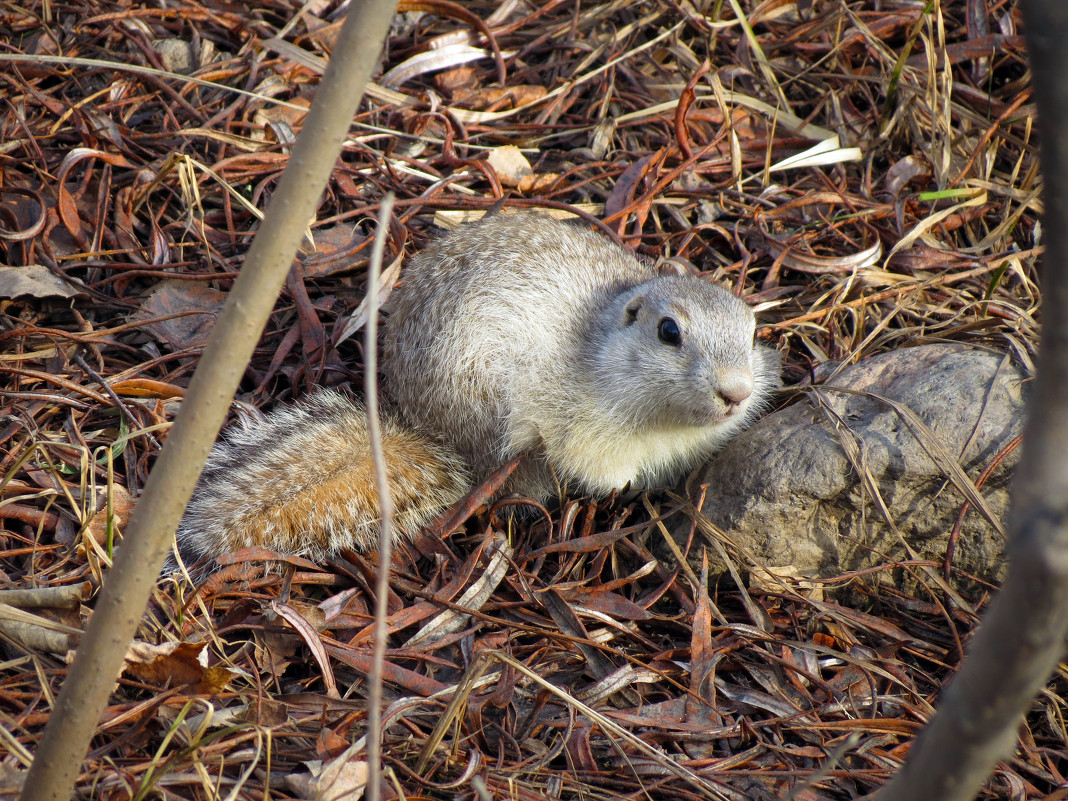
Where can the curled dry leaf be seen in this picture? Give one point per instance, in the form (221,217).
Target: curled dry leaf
(24,214)
(69,207)
(47,632)
(808,236)
(474,597)
(69,596)
(304,621)
(905,171)
(290,116)
(431,61)
(147,388)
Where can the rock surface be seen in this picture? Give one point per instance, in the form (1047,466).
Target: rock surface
(786,492)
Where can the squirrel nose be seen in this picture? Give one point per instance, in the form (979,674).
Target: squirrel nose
(734,387)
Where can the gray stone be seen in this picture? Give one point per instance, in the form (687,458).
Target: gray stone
(787,493)
(176,55)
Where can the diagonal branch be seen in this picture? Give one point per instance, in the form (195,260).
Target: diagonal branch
(1022,638)
(118,610)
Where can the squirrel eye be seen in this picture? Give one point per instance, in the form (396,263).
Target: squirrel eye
(669,332)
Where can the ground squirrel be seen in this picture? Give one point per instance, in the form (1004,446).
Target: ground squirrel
(517,334)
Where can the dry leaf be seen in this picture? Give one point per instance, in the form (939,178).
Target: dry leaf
(176,55)
(454,81)
(537,183)
(335,250)
(264,711)
(199,306)
(274,117)
(608,603)
(35,281)
(341,779)
(500,99)
(45,632)
(174,664)
(357,318)
(275,651)
(510,164)
(122,505)
(147,388)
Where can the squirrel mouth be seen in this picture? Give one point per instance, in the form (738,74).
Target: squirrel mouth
(714,414)
(724,412)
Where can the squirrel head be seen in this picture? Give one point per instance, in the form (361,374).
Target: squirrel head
(677,351)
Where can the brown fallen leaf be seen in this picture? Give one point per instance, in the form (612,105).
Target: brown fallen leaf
(499,98)
(608,603)
(303,621)
(175,664)
(198,306)
(335,250)
(457,81)
(122,506)
(147,388)
(264,712)
(274,116)
(537,183)
(510,164)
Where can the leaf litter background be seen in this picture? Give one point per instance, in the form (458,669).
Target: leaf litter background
(558,658)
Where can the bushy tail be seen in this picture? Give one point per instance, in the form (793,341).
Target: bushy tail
(300,481)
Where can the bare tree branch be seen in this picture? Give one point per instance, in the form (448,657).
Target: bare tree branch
(1023,636)
(118,610)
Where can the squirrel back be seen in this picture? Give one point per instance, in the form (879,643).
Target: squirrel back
(526,334)
(514,335)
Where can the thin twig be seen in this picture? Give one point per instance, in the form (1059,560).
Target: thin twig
(385,504)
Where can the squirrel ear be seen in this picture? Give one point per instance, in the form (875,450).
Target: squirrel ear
(630,313)
(675,265)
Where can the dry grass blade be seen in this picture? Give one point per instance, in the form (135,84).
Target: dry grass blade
(613,730)
(473,598)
